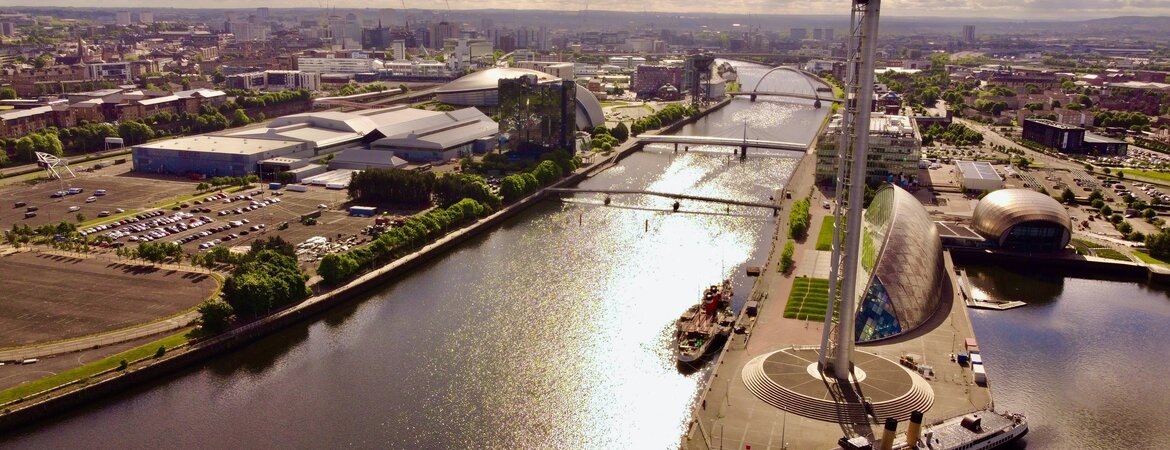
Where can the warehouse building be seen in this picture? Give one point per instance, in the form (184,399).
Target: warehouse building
(978,176)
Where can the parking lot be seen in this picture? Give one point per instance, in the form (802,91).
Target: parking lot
(124,189)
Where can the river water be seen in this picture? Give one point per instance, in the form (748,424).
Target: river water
(552,331)
(1085,360)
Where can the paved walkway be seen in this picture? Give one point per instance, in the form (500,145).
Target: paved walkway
(99,340)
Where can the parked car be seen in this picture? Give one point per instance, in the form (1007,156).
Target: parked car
(74,208)
(91,199)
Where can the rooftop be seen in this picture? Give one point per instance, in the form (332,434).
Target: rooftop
(1054,124)
(220,144)
(1099,139)
(978,169)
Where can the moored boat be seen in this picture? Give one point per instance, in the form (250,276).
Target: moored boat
(702,323)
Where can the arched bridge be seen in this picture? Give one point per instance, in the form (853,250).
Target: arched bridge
(815,84)
(711,140)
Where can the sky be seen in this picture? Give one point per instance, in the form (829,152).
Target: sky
(1000,9)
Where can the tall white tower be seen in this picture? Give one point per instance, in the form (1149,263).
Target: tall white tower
(836,351)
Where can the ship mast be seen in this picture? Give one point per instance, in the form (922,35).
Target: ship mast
(852,148)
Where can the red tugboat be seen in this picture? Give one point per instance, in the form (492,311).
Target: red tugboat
(704,322)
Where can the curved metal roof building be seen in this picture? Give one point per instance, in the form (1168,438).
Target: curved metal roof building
(902,255)
(1023,219)
(480,89)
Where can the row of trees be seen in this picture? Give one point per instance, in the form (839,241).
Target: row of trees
(670,114)
(1123,119)
(249,99)
(553,166)
(418,230)
(605,139)
(799,219)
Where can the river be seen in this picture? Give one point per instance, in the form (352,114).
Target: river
(1084,360)
(552,331)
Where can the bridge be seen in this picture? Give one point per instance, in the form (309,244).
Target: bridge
(726,201)
(816,97)
(712,140)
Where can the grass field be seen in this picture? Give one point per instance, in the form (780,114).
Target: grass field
(1145,257)
(809,299)
(825,236)
(1149,174)
(1110,254)
(89,370)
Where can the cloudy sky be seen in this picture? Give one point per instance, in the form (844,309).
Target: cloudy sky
(1004,9)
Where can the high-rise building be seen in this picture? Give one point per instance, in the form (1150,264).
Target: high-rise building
(538,116)
(146,17)
(440,32)
(969,34)
(262,12)
(818,33)
(7,29)
(398,48)
(798,34)
(827,34)
(122,18)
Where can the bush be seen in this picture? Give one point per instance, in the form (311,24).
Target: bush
(215,316)
(160,352)
(122,365)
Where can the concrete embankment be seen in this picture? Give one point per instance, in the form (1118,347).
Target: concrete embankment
(56,403)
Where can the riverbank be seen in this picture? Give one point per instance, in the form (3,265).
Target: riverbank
(34,409)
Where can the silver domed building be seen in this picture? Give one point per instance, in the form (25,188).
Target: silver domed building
(902,256)
(1023,219)
(481,89)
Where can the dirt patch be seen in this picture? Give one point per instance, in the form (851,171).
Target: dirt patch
(50,297)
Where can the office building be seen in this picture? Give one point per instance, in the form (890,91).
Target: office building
(894,152)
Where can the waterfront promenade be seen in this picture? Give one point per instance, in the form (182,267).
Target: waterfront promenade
(728,415)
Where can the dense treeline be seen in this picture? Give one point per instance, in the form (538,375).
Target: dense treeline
(954,134)
(393,186)
(248,100)
(417,230)
(265,279)
(453,187)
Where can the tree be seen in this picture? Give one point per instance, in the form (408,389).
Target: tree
(240,118)
(1159,244)
(7,93)
(1106,211)
(786,258)
(215,316)
(1068,196)
(620,132)
(135,132)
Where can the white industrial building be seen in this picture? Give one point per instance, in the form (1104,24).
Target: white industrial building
(296,143)
(978,176)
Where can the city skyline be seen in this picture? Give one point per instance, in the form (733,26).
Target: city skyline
(1028,10)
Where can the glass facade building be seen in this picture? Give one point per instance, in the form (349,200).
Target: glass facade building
(902,260)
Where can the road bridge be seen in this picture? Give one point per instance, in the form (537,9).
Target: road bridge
(769,205)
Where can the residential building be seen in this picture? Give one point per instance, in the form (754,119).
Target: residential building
(330,64)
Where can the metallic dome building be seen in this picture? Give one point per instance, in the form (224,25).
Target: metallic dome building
(903,256)
(481,89)
(1023,219)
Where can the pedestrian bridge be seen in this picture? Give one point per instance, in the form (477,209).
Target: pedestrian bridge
(609,192)
(712,140)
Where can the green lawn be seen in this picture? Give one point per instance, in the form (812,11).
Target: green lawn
(1150,174)
(809,299)
(1110,254)
(1150,259)
(92,369)
(825,237)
